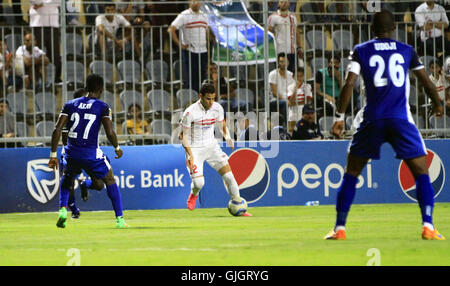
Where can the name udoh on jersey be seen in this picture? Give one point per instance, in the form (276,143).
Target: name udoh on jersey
(85,120)
(384,65)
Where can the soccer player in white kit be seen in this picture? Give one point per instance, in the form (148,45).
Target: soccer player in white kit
(197,137)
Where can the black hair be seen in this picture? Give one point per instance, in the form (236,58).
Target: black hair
(207,87)
(336,57)
(4,100)
(434,63)
(109,3)
(300,69)
(281,55)
(383,22)
(94,83)
(135,105)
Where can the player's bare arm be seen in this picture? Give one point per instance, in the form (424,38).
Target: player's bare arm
(344,99)
(62,120)
(187,149)
(111,135)
(226,135)
(430,90)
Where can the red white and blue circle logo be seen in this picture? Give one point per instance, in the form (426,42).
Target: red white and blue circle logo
(251,172)
(435,169)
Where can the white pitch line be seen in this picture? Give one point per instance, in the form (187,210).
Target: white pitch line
(163,249)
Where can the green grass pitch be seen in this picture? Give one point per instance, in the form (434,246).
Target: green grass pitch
(388,234)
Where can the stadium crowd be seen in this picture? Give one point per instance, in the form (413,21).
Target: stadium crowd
(154,54)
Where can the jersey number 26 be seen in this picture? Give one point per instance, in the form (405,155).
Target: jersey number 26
(395,69)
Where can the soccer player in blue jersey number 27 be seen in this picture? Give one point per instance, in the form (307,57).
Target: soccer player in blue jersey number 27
(384,64)
(84,117)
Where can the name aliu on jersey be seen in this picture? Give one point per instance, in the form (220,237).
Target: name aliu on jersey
(385,46)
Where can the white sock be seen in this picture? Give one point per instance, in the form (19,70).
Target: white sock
(339,227)
(429,225)
(197,185)
(232,186)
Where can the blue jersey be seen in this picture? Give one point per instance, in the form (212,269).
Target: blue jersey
(85,120)
(384,65)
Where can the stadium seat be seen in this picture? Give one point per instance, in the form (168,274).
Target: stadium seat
(51,71)
(74,45)
(400,35)
(420,123)
(22,129)
(129,71)
(161,126)
(344,63)
(103,68)
(342,40)
(13,41)
(440,123)
(325,123)
(317,40)
(44,128)
(157,71)
(158,100)
(130,97)
(75,73)
(348,122)
(18,103)
(307,13)
(110,99)
(176,69)
(186,96)
(45,104)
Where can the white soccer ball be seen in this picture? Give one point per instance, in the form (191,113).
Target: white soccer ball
(237,208)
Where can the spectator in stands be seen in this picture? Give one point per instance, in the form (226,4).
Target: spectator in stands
(106,29)
(5,64)
(277,131)
(432,20)
(300,93)
(279,80)
(194,34)
(6,123)
(438,78)
(227,97)
(287,35)
(328,84)
(31,62)
(306,128)
(73,12)
(247,125)
(319,8)
(136,124)
(44,20)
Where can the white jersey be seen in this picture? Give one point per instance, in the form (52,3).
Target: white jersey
(193,27)
(201,123)
(285,31)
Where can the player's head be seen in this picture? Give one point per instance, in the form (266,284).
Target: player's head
(94,85)
(383,23)
(79,93)
(207,94)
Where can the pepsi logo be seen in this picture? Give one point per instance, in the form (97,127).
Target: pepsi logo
(435,169)
(251,172)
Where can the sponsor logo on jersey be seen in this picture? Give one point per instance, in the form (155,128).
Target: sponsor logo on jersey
(251,172)
(436,171)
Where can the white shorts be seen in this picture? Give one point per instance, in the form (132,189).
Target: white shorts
(295,112)
(212,154)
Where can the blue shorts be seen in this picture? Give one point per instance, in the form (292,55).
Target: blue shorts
(401,134)
(96,168)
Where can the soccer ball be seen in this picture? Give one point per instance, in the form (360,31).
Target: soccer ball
(237,208)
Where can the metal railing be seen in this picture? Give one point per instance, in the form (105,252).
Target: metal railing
(144,69)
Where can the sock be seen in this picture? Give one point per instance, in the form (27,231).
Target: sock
(197,184)
(115,197)
(345,196)
(64,193)
(425,198)
(232,186)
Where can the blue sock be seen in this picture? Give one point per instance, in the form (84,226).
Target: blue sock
(88,183)
(345,196)
(115,197)
(64,192)
(425,197)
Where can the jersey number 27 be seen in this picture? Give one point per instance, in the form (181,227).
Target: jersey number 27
(76,118)
(395,69)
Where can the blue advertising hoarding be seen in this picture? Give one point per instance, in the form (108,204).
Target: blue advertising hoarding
(268,174)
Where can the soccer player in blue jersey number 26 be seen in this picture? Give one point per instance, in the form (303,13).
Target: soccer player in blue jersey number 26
(383,64)
(84,117)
